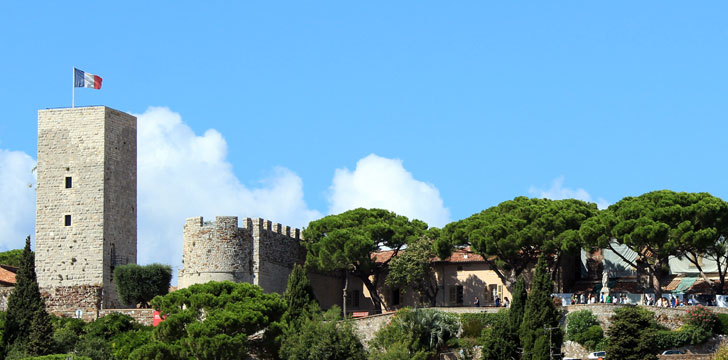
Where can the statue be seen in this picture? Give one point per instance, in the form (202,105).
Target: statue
(605,281)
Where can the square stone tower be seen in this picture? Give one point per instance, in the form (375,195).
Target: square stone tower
(86,214)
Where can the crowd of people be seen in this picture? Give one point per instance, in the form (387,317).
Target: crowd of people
(668,300)
(585,298)
(497,302)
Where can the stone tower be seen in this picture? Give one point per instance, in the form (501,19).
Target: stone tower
(86,215)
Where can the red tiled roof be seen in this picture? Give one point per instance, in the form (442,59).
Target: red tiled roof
(457,256)
(673,284)
(382,256)
(462,256)
(7,275)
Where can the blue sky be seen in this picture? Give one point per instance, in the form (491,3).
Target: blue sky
(467,103)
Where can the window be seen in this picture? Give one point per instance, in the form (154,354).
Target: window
(395,296)
(69,182)
(494,290)
(452,298)
(352,298)
(460,295)
(68,220)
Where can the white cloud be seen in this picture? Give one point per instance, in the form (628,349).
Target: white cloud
(558,191)
(182,174)
(379,182)
(17,199)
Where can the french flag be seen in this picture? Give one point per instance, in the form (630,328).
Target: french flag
(86,80)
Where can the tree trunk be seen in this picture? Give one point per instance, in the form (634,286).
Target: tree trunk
(721,275)
(346,288)
(431,293)
(507,280)
(372,287)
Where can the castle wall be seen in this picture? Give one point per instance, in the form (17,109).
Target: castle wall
(328,289)
(258,252)
(217,251)
(120,198)
(276,250)
(66,300)
(96,148)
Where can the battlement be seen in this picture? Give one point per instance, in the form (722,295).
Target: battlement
(228,223)
(258,251)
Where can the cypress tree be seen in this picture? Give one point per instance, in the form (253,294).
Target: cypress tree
(40,341)
(518,306)
(24,301)
(500,341)
(299,296)
(631,336)
(540,332)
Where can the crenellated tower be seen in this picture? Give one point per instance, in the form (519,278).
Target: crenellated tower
(258,252)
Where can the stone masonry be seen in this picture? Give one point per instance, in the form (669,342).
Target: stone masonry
(86,212)
(259,252)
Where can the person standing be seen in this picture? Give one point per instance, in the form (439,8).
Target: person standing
(476,303)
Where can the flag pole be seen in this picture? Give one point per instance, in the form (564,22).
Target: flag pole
(73,87)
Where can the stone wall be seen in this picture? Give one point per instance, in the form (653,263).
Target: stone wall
(669,317)
(142,316)
(215,251)
(366,327)
(120,198)
(277,249)
(95,149)
(259,252)
(67,300)
(4,294)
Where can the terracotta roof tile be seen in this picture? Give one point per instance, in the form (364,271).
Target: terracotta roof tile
(7,275)
(457,256)
(462,256)
(382,256)
(672,285)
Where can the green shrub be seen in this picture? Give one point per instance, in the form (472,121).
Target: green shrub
(474,323)
(631,336)
(591,337)
(400,351)
(59,357)
(138,284)
(66,333)
(125,343)
(499,341)
(94,347)
(467,348)
(323,339)
(722,353)
(687,335)
(700,316)
(420,329)
(11,257)
(65,340)
(583,327)
(110,325)
(157,351)
(721,324)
